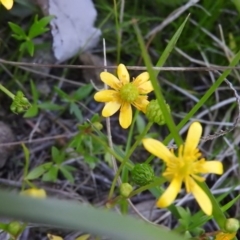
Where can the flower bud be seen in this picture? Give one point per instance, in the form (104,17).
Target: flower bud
(154,112)
(20,103)
(14,228)
(142,174)
(232,225)
(98,125)
(125,189)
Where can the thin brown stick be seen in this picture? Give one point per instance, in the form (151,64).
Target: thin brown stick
(137,68)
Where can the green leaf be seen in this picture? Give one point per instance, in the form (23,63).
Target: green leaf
(140,123)
(17,30)
(26,156)
(39,26)
(67,215)
(23,47)
(95,118)
(62,94)
(55,154)
(70,168)
(50,106)
(67,174)
(76,142)
(74,109)
(58,156)
(30,47)
(83,92)
(51,175)
(90,160)
(153,76)
(20,38)
(38,171)
(35,93)
(31,112)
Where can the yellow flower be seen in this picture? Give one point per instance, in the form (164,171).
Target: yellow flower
(124,94)
(225,236)
(185,167)
(7,4)
(34,192)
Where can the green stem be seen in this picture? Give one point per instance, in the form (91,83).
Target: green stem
(156,86)
(206,96)
(125,171)
(118,30)
(6,91)
(108,149)
(125,160)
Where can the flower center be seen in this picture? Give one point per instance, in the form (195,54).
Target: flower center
(182,165)
(129,93)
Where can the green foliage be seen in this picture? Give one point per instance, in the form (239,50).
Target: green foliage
(85,145)
(91,143)
(73,99)
(50,171)
(38,27)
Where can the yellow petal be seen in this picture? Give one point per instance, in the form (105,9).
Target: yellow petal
(145,88)
(125,118)
(141,78)
(83,237)
(111,80)
(193,137)
(123,74)
(201,197)
(54,237)
(141,103)
(158,149)
(34,192)
(170,194)
(106,96)
(110,108)
(225,236)
(215,167)
(7,4)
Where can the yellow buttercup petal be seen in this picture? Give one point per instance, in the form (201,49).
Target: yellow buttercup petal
(141,103)
(7,4)
(145,88)
(193,138)
(125,118)
(225,236)
(106,96)
(110,108)
(54,237)
(141,78)
(158,149)
(170,193)
(123,74)
(215,167)
(111,80)
(201,197)
(34,192)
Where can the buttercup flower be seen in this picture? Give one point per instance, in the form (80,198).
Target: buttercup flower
(124,94)
(185,167)
(7,4)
